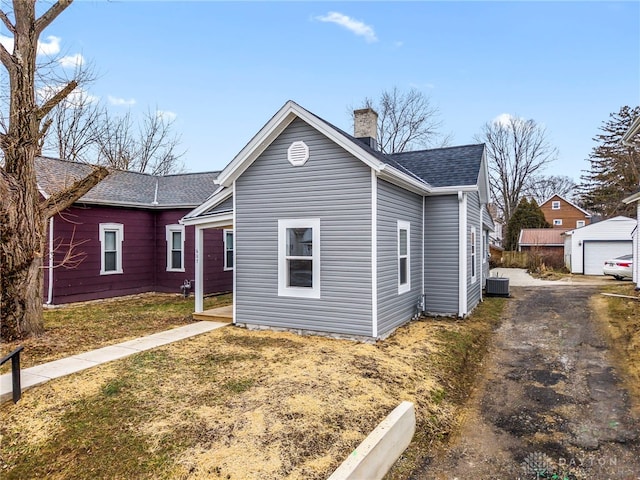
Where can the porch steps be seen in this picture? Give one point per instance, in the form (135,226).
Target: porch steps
(220,314)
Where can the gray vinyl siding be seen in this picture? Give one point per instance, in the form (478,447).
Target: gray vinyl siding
(474,289)
(441,254)
(396,204)
(332,186)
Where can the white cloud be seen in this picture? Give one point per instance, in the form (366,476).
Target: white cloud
(504,119)
(398,43)
(121,102)
(49,47)
(355,26)
(72,61)
(7,43)
(166,115)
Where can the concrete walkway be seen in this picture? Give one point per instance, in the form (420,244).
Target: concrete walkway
(518,277)
(39,374)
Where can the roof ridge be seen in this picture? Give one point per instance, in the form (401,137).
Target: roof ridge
(437,148)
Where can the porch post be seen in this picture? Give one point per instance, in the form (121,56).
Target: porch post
(199,254)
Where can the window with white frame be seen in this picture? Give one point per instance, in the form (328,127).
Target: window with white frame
(299,258)
(111,238)
(175,248)
(557,221)
(555,205)
(580,223)
(228,249)
(404,257)
(472,241)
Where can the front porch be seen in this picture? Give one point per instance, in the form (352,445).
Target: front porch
(219,314)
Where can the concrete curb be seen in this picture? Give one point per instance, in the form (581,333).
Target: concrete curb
(373,458)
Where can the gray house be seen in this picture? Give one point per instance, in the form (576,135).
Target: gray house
(332,236)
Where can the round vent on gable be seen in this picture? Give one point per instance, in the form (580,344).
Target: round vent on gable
(298,153)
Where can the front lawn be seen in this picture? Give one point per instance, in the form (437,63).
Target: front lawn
(77,328)
(240,404)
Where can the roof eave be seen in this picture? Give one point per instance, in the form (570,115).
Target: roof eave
(274,127)
(632,198)
(216,220)
(632,131)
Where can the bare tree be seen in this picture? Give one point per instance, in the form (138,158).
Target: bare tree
(516,150)
(76,125)
(23,212)
(152,150)
(406,121)
(542,188)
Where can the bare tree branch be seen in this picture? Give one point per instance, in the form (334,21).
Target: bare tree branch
(56,99)
(7,22)
(65,198)
(6,58)
(50,15)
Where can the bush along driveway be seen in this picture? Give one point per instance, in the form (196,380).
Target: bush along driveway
(551,403)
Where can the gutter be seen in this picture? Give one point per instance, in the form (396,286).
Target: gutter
(633,130)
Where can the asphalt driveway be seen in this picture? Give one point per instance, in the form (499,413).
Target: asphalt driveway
(550,401)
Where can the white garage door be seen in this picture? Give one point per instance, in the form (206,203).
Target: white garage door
(596,252)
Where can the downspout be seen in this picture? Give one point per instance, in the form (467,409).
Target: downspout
(50,286)
(462,254)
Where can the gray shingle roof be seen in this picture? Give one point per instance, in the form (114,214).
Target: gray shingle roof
(444,167)
(128,188)
(438,167)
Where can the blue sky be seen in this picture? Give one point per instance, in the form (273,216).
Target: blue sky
(223,69)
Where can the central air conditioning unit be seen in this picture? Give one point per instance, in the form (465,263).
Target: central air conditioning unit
(497,287)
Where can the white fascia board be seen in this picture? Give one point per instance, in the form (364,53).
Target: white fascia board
(395,176)
(453,190)
(211,221)
(274,127)
(220,196)
(634,129)
(632,198)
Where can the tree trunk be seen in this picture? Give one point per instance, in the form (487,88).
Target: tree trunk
(21,262)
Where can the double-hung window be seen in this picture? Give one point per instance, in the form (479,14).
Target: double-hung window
(175,248)
(111,238)
(228,249)
(555,205)
(404,257)
(299,258)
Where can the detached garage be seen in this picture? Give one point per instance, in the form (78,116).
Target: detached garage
(587,248)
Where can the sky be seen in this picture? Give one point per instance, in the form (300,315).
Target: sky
(221,70)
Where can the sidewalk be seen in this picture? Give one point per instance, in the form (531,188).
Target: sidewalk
(39,374)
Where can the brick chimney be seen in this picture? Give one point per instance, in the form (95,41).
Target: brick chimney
(365,126)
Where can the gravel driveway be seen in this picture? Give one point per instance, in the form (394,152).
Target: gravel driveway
(550,401)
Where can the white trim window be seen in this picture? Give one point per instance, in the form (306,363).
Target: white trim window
(474,266)
(299,258)
(555,205)
(111,238)
(557,222)
(580,223)
(175,248)
(228,249)
(404,257)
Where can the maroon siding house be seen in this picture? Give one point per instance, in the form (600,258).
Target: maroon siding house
(124,236)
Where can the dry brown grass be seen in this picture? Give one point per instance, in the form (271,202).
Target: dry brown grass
(77,328)
(620,318)
(240,404)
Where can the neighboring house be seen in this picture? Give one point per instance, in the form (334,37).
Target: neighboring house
(334,237)
(124,236)
(562,214)
(587,248)
(628,139)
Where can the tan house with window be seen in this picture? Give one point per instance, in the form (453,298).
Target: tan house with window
(563,214)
